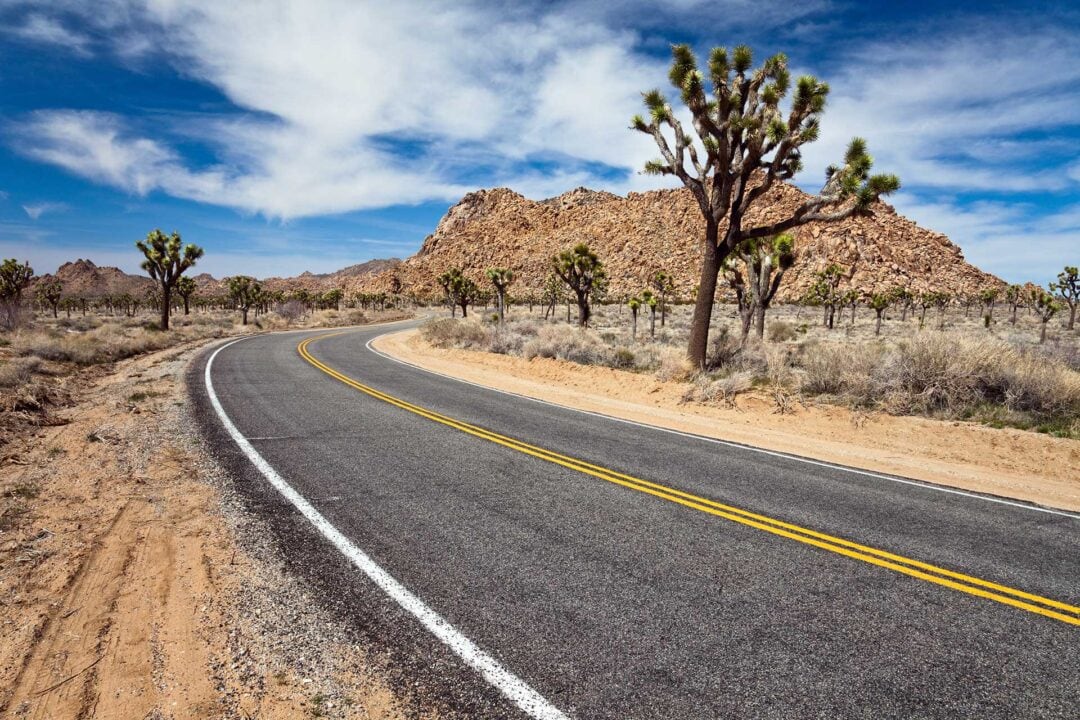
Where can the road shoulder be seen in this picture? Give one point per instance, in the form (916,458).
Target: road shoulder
(1007,463)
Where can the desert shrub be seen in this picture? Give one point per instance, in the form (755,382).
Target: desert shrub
(291,311)
(705,388)
(453,333)
(18,371)
(672,364)
(567,342)
(840,369)
(782,331)
(623,357)
(79,323)
(506,342)
(723,347)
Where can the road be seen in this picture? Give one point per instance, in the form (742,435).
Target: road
(578,566)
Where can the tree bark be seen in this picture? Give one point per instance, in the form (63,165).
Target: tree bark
(166,298)
(1072,316)
(583,310)
(699,325)
(759,320)
(1042,333)
(877,327)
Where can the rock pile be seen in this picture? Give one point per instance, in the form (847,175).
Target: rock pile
(645,232)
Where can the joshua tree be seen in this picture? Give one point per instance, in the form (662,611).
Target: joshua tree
(460,290)
(733,274)
(664,285)
(650,301)
(501,279)
(553,294)
(988,297)
(48,293)
(925,301)
(245,293)
(634,304)
(1015,295)
(166,261)
(1046,306)
(332,298)
(879,303)
(13,279)
(1068,286)
(749,146)
(185,288)
(765,261)
(850,299)
(826,291)
(584,274)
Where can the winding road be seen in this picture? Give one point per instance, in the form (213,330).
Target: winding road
(520,559)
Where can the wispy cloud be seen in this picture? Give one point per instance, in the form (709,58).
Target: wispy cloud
(36,210)
(40,28)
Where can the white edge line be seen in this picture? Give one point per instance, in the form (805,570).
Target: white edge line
(728,443)
(510,685)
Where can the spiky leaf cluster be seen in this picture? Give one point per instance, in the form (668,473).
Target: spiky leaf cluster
(743,142)
(166,257)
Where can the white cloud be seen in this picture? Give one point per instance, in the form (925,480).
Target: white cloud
(1011,240)
(39,28)
(36,210)
(969,111)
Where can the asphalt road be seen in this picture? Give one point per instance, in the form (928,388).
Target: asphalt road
(611,602)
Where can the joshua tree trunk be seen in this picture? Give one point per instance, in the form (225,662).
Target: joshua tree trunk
(1072,317)
(759,320)
(633,327)
(244,312)
(1042,331)
(583,310)
(877,326)
(166,297)
(703,306)
(652,323)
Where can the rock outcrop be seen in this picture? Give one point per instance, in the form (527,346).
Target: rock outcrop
(645,232)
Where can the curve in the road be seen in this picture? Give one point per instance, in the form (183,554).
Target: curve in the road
(979,587)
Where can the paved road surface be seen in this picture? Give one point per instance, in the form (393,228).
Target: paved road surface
(610,598)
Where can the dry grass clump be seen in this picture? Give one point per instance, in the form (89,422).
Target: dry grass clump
(565,342)
(708,389)
(452,333)
(18,371)
(952,376)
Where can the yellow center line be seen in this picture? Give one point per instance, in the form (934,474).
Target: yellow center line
(915,568)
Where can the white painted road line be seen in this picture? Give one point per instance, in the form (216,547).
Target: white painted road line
(510,685)
(728,443)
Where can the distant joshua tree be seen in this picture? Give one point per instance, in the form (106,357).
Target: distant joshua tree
(1068,286)
(1045,306)
(826,292)
(501,279)
(765,261)
(879,303)
(584,274)
(664,286)
(749,146)
(460,290)
(185,288)
(634,304)
(165,262)
(650,301)
(49,293)
(1014,294)
(245,293)
(988,297)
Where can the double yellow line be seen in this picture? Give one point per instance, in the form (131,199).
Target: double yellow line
(908,566)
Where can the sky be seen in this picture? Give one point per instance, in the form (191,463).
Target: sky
(315,134)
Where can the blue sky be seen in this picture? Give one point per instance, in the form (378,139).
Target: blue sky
(285,137)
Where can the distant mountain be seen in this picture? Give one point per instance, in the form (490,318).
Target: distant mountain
(82,278)
(645,232)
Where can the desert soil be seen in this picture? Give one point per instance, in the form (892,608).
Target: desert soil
(132,585)
(1008,463)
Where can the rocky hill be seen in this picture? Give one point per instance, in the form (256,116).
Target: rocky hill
(82,278)
(645,232)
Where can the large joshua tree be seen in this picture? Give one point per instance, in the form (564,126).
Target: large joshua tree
(166,261)
(245,293)
(584,274)
(742,146)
